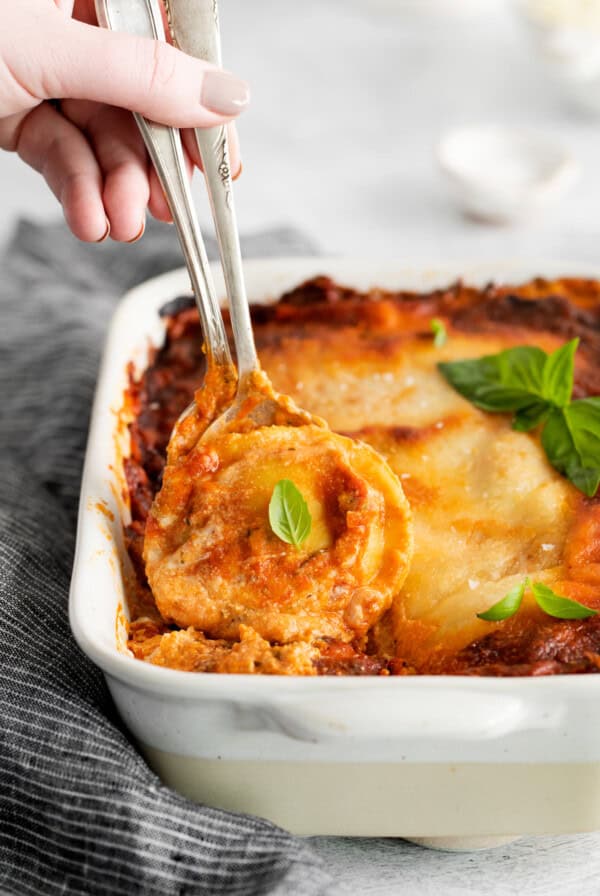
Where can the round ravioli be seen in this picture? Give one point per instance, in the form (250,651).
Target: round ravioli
(213,561)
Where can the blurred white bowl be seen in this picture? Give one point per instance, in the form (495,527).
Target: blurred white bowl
(566,37)
(500,174)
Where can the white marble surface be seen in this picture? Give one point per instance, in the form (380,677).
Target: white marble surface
(348,102)
(542,866)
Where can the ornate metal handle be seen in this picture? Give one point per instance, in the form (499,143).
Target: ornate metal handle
(144,19)
(194,27)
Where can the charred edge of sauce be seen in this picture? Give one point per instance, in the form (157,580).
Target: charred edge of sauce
(176,306)
(551,647)
(338,658)
(565,308)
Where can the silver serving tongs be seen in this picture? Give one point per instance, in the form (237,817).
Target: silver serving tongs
(143,18)
(194,28)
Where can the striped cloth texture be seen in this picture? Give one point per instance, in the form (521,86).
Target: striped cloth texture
(80,812)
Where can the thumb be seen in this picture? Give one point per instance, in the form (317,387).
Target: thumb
(145,76)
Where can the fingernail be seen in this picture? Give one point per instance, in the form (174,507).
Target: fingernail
(224,94)
(140,233)
(239,171)
(106,233)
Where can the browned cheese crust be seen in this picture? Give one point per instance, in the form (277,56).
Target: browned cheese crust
(487,507)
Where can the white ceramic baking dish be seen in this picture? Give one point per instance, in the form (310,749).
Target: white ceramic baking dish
(419,757)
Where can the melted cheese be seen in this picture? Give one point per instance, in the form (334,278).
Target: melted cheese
(488,508)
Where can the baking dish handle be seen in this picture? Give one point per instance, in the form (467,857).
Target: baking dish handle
(457,713)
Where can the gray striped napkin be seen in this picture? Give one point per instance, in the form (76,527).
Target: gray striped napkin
(80,812)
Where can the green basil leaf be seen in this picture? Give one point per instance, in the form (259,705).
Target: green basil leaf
(289,515)
(559,371)
(440,335)
(537,387)
(558,606)
(583,417)
(528,418)
(508,381)
(557,441)
(571,440)
(586,479)
(523,368)
(516,379)
(506,607)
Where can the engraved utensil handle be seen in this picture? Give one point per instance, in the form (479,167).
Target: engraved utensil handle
(194,27)
(143,18)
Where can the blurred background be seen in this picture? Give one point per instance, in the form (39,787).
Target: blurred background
(357,102)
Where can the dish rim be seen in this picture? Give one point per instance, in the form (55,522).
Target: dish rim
(149,297)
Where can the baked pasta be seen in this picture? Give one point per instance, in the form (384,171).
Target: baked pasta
(214,563)
(489,511)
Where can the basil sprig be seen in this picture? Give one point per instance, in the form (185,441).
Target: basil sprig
(289,515)
(440,334)
(547,600)
(558,606)
(536,387)
(571,439)
(506,607)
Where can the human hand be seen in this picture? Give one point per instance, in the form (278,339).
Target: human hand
(89,150)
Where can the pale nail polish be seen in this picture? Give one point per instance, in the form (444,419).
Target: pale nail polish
(224,94)
(239,171)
